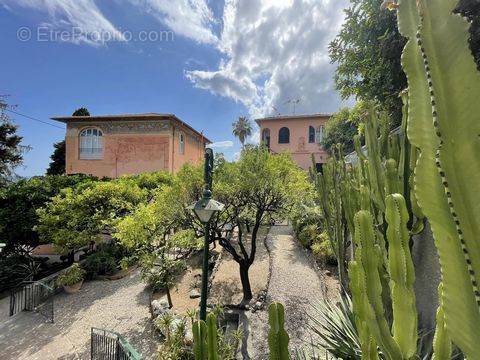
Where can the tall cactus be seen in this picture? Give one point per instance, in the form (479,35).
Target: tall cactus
(444,86)
(277,336)
(205,339)
(199,330)
(205,342)
(366,271)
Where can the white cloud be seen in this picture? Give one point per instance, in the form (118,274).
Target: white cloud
(221,144)
(89,24)
(190,18)
(274,51)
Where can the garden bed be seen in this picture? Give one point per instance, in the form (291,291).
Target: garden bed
(226,288)
(187,282)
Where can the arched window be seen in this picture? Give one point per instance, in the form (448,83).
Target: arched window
(91,144)
(266,138)
(311,134)
(284,135)
(182,143)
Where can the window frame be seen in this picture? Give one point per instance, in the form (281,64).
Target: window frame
(319,133)
(311,135)
(284,138)
(266,137)
(181,143)
(90,144)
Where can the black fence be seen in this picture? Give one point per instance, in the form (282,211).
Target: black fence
(32,296)
(108,345)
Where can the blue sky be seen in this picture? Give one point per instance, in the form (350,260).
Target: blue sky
(217,60)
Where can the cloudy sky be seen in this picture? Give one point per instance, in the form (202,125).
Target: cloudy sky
(207,61)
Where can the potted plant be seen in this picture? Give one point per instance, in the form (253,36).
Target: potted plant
(72,279)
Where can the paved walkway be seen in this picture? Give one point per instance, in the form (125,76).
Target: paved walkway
(122,306)
(294,283)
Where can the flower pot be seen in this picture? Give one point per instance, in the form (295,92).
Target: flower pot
(72,289)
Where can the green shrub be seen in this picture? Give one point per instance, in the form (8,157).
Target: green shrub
(303,214)
(73,275)
(322,250)
(308,235)
(100,263)
(12,271)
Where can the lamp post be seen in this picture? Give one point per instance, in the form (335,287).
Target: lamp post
(204,209)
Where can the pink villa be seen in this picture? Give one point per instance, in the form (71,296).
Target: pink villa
(115,145)
(300,135)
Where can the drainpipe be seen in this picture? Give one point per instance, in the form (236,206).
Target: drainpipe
(173,146)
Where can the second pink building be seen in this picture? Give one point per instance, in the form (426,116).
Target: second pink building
(300,135)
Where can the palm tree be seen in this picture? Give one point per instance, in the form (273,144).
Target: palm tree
(242,129)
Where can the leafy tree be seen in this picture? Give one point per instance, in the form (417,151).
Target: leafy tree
(343,126)
(368,49)
(83,111)
(19,203)
(76,217)
(257,188)
(148,232)
(57,165)
(471,10)
(11,150)
(242,129)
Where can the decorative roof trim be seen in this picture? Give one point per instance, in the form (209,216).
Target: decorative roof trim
(130,117)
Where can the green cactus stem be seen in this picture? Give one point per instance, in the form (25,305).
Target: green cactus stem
(277,336)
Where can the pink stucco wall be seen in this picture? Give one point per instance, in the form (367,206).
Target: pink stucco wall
(133,150)
(299,147)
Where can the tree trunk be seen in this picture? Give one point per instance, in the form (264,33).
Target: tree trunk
(247,290)
(169,297)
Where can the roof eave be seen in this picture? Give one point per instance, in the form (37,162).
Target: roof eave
(66,119)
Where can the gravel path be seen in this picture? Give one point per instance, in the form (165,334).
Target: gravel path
(294,283)
(121,306)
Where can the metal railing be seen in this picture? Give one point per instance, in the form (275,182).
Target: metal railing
(32,296)
(109,345)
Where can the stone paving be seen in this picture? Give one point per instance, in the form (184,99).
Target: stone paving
(294,283)
(121,306)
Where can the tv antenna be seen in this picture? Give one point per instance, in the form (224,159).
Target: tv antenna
(293,102)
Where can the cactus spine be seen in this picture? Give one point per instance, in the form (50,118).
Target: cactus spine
(277,336)
(444,126)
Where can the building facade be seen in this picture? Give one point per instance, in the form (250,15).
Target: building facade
(300,135)
(116,145)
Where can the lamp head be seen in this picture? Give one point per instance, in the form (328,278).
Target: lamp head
(206,207)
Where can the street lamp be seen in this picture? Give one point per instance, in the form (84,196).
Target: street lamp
(204,209)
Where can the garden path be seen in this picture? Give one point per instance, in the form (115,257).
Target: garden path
(121,306)
(293,282)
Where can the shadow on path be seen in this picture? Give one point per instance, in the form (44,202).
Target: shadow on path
(121,306)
